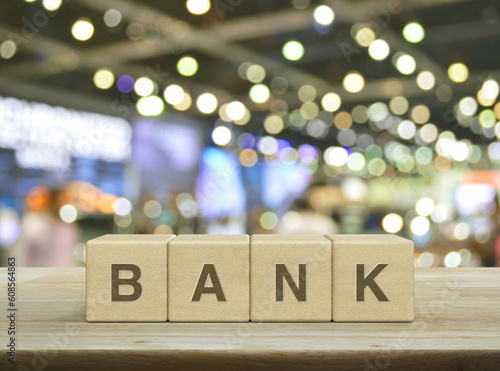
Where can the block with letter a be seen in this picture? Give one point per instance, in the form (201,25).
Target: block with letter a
(208,278)
(372,278)
(127,278)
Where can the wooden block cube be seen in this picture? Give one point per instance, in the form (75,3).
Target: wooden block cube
(127,278)
(208,278)
(291,278)
(372,278)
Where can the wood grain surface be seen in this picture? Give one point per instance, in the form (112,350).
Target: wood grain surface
(456,327)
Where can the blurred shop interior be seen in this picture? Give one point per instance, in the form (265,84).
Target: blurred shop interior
(239,116)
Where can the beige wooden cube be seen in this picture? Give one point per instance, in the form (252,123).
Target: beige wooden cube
(291,278)
(372,278)
(208,278)
(127,278)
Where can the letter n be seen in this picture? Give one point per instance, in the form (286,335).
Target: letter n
(283,274)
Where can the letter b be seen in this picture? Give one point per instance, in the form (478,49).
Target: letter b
(116,282)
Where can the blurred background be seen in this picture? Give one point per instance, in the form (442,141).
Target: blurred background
(239,116)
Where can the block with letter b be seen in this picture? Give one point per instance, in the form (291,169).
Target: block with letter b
(291,278)
(208,278)
(127,278)
(372,278)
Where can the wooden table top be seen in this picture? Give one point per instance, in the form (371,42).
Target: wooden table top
(457,326)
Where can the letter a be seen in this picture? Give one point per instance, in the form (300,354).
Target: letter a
(208,270)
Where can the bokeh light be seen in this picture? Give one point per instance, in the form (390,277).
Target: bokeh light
(392,223)
(8,49)
(198,7)
(125,83)
(426,80)
(221,135)
(420,225)
(52,5)
(144,86)
(104,78)
(324,15)
(68,213)
(82,29)
(206,103)
(150,106)
(353,82)
(379,49)
(406,64)
(458,72)
(413,32)
(259,93)
(269,220)
(173,94)
(235,110)
(365,36)
(293,50)
(187,66)
(112,18)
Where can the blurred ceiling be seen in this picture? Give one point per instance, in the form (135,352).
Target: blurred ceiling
(53,67)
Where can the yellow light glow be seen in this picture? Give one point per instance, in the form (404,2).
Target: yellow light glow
(413,32)
(259,93)
(273,124)
(52,5)
(150,106)
(235,110)
(104,78)
(293,50)
(426,80)
(269,220)
(406,64)
(255,73)
(365,36)
(379,50)
(425,206)
(354,82)
(221,135)
(331,102)
(458,72)
(187,66)
(185,103)
(82,30)
(399,105)
(206,103)
(420,225)
(307,93)
(8,49)
(198,7)
(173,94)
(392,223)
(324,15)
(484,100)
(144,87)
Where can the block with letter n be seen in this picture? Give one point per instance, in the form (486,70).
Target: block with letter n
(290,278)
